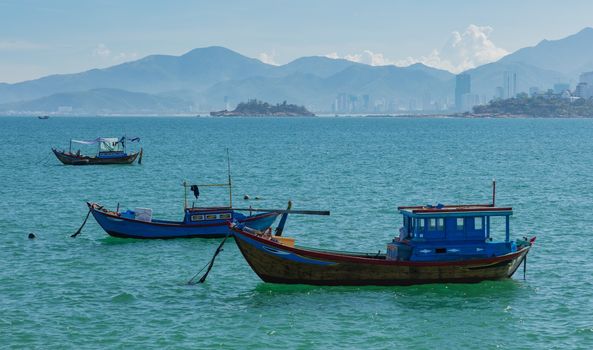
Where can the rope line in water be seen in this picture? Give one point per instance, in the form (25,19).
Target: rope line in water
(79,231)
(210,263)
(45,160)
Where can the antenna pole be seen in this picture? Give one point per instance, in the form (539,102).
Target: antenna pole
(184,195)
(493,192)
(228,159)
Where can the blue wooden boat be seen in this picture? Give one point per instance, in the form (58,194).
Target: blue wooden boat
(204,222)
(110,151)
(436,244)
(209,222)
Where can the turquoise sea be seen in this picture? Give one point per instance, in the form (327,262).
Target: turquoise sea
(94,291)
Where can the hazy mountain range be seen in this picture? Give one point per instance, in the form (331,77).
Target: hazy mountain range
(214,78)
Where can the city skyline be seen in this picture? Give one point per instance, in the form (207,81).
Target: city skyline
(39,39)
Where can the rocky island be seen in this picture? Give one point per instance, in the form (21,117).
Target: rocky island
(537,107)
(259,108)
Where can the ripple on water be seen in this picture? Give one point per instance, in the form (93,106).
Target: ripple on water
(123,297)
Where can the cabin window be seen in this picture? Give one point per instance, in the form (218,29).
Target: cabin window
(478,223)
(432,224)
(459,224)
(211,217)
(197,217)
(225,216)
(440,224)
(420,225)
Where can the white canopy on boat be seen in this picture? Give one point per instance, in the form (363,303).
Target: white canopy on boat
(110,140)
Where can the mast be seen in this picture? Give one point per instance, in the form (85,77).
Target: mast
(493,192)
(228,158)
(184,195)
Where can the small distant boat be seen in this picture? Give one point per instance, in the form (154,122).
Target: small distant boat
(437,244)
(110,151)
(43,116)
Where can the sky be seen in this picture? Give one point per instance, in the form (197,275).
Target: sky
(39,38)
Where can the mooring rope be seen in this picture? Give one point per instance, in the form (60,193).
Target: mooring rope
(210,263)
(45,159)
(81,226)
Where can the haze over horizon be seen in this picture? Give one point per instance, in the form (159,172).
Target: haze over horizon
(39,39)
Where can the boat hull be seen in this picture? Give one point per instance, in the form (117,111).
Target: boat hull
(69,159)
(117,226)
(276,263)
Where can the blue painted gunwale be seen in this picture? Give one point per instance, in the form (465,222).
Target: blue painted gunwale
(368,258)
(118,226)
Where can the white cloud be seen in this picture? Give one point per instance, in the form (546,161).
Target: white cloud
(367,57)
(125,56)
(465,50)
(102,51)
(332,55)
(268,58)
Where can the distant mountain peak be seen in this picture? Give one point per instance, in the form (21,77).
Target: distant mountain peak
(210,50)
(568,55)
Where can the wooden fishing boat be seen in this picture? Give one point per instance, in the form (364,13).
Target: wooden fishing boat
(438,244)
(110,151)
(208,222)
(204,222)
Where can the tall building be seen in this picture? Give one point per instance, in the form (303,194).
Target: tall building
(585,87)
(583,90)
(509,84)
(462,87)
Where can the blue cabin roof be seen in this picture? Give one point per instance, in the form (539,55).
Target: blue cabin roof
(444,232)
(460,210)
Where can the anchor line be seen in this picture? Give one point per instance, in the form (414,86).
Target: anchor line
(210,263)
(45,159)
(79,231)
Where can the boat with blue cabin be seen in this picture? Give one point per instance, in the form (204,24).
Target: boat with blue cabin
(436,244)
(111,150)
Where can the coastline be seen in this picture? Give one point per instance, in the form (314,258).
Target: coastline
(320,115)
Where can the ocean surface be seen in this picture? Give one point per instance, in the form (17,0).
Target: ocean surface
(95,291)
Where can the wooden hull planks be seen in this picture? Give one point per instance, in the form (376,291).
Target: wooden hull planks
(71,159)
(276,263)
